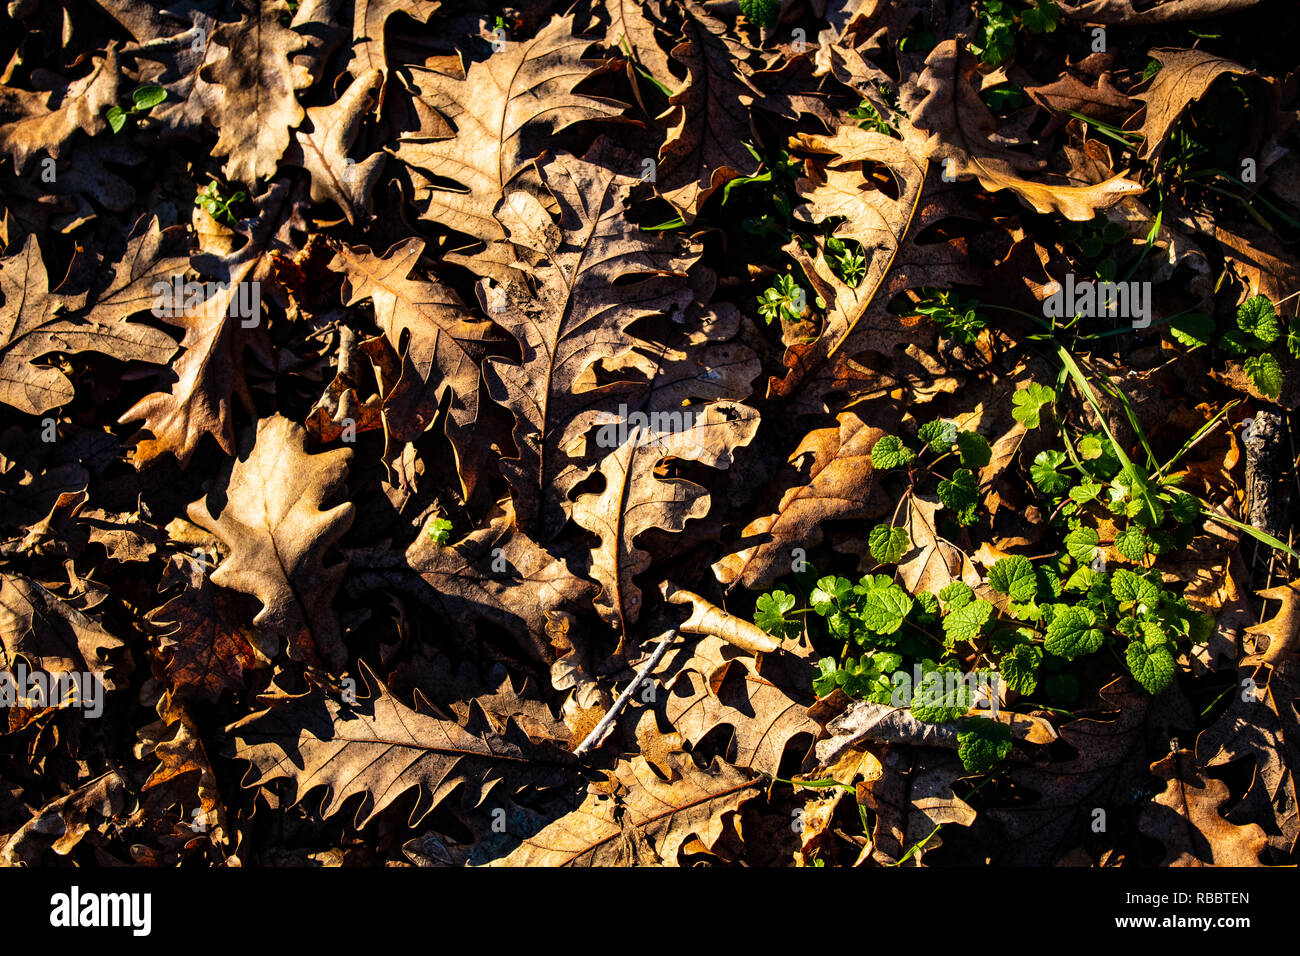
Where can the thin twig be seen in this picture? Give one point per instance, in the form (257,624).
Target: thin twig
(601,729)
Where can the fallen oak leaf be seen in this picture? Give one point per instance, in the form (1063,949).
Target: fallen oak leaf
(204,646)
(210,370)
(964,137)
(47,120)
(258,106)
(184,773)
(705,148)
(1283,629)
(380,750)
(1185,76)
(912,799)
(323,152)
(1261,726)
(501,109)
(1185,818)
(838,486)
(933,562)
(495,573)
(692,413)
(694,802)
(369,17)
(570,320)
(33,324)
(51,633)
(268,512)
(437,336)
(64,822)
(1124,13)
(890,199)
(765,709)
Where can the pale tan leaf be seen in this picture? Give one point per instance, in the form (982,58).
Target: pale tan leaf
(1185,818)
(696,803)
(501,110)
(269,511)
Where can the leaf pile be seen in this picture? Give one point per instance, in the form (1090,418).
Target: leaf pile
(380,381)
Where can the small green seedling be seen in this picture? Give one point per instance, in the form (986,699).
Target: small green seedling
(846,261)
(440,531)
(958,318)
(998,23)
(784,299)
(217,206)
(143,99)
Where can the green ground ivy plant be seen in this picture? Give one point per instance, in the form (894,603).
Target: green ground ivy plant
(1039,624)
(1259,334)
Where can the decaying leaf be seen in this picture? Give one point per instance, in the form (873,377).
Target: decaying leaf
(695,803)
(1185,76)
(710,116)
(380,750)
(503,110)
(575,322)
(838,487)
(270,513)
(1185,818)
(964,137)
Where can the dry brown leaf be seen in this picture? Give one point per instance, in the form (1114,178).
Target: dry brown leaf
(692,413)
(706,618)
(1085,87)
(636,21)
(575,322)
(1127,13)
(61,824)
(911,799)
(204,645)
(48,119)
(766,710)
(1184,77)
(369,17)
(502,109)
(710,117)
(268,510)
(1111,766)
(496,574)
(964,137)
(838,487)
(258,105)
(1185,818)
(696,803)
(35,323)
(886,227)
(381,749)
(323,151)
(184,774)
(50,633)
(210,369)
(933,562)
(1261,726)
(437,336)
